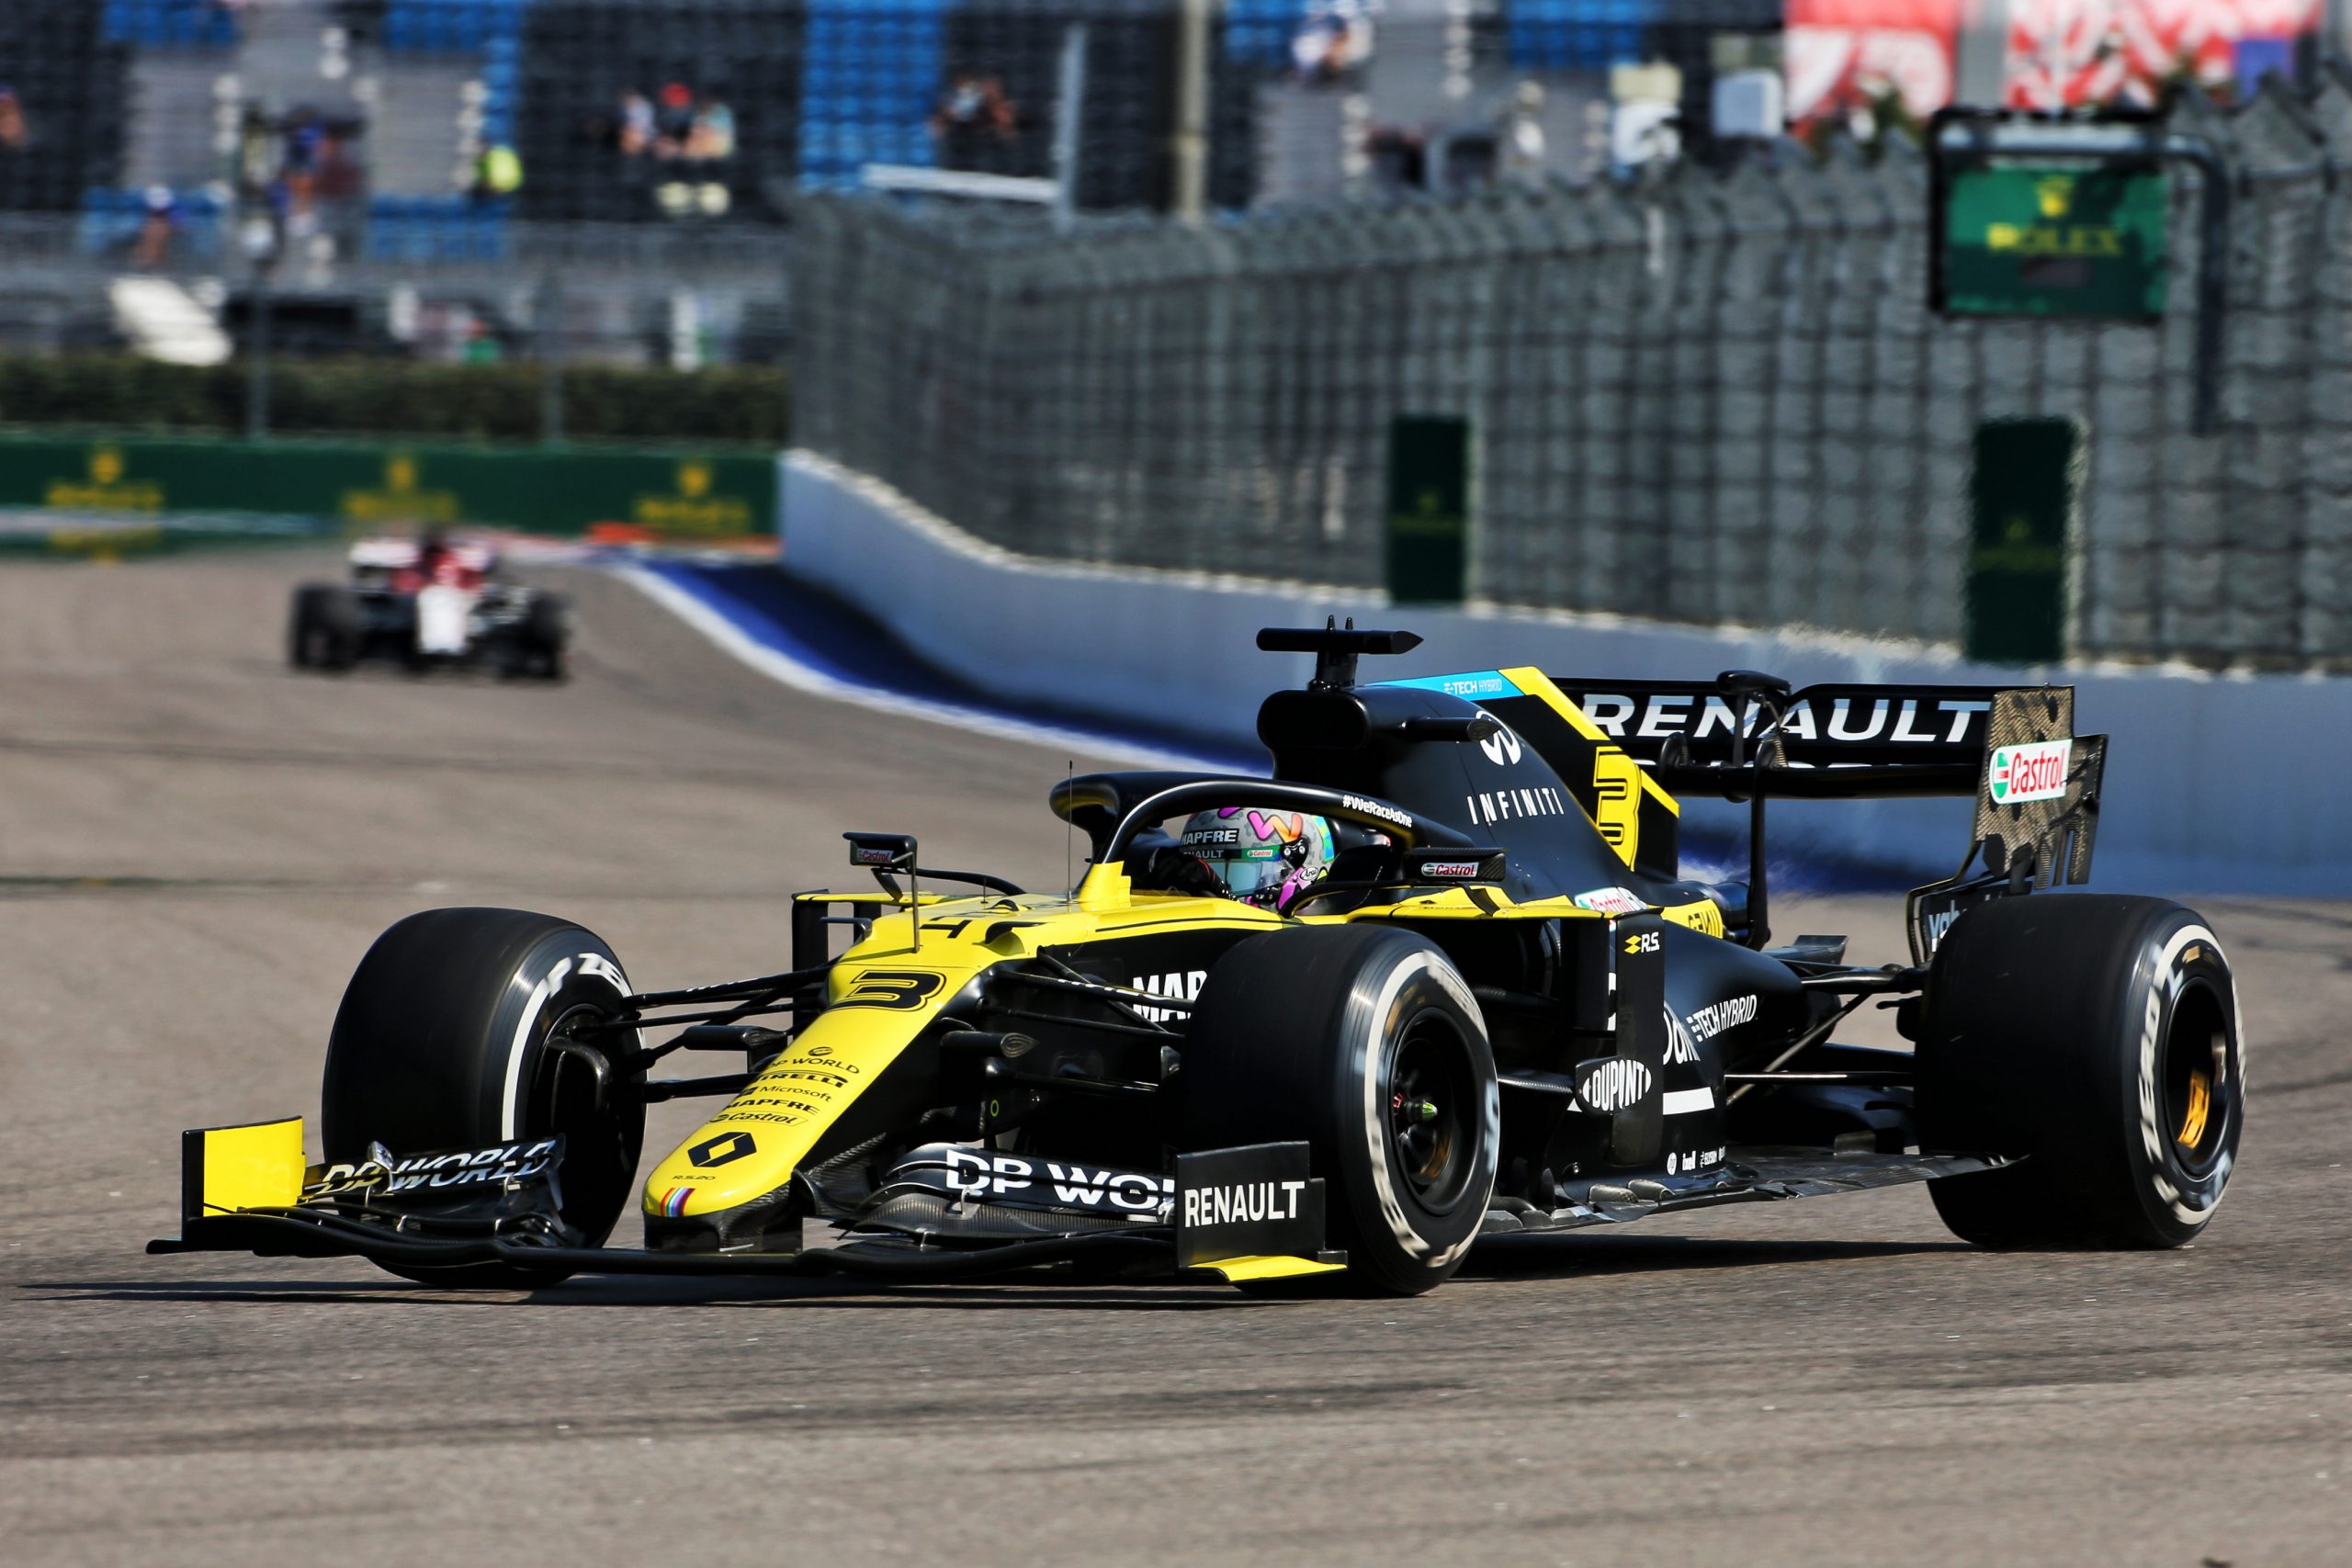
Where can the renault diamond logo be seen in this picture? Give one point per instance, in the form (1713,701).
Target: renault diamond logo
(721,1150)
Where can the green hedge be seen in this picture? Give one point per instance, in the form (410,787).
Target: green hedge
(393,397)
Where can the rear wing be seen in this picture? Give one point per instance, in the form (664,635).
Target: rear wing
(1750,737)
(1745,736)
(1714,738)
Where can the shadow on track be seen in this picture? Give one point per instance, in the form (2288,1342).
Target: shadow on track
(1591,1253)
(1501,1259)
(1015,1293)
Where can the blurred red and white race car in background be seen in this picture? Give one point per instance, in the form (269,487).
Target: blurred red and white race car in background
(429,601)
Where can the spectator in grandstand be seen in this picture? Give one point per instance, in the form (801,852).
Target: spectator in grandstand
(157,224)
(304,153)
(1520,124)
(1334,42)
(972,115)
(482,346)
(498,173)
(675,121)
(636,131)
(13,132)
(711,138)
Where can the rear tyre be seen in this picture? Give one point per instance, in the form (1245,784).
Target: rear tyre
(325,628)
(546,632)
(441,1043)
(1363,1043)
(2099,1036)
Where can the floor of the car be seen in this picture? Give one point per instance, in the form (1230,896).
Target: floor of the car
(1749,1175)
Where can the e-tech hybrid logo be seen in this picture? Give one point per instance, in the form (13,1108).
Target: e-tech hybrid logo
(2036,770)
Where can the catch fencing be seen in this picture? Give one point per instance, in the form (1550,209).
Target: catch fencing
(1716,399)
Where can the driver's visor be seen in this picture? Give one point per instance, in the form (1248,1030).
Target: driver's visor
(1247,872)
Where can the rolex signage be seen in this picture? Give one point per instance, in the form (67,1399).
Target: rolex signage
(2035,240)
(644,493)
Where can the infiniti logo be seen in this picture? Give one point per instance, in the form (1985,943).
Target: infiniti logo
(1501,748)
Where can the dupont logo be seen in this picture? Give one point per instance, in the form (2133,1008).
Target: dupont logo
(1613,1084)
(2033,772)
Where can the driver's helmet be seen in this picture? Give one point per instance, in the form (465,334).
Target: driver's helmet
(1267,858)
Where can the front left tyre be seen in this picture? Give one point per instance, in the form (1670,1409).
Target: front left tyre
(1365,1043)
(443,1042)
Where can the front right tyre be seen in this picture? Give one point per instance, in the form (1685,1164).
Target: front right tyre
(1363,1043)
(443,1042)
(324,629)
(2096,1038)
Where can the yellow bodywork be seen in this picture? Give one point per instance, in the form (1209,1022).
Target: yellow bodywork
(1241,1270)
(258,1166)
(879,997)
(1618,782)
(884,991)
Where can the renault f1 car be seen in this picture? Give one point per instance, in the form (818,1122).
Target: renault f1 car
(1500,1009)
(428,601)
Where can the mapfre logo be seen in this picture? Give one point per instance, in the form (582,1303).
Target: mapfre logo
(2036,770)
(1183,987)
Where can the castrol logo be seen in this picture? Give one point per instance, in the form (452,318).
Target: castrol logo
(2033,772)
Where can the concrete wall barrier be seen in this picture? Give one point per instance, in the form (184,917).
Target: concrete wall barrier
(2214,784)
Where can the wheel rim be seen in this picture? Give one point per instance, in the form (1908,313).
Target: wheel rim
(1433,1129)
(2196,1087)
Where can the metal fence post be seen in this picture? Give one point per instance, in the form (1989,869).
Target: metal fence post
(1069,112)
(549,311)
(257,371)
(1188,187)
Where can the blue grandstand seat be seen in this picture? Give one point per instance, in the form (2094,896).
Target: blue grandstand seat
(111,220)
(164,24)
(435,228)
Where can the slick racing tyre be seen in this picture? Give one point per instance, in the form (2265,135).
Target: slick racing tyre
(324,630)
(2099,1036)
(441,1043)
(546,632)
(1364,1043)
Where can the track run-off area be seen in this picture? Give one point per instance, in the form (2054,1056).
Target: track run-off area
(198,844)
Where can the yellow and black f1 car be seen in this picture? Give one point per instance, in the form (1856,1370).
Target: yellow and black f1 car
(1495,1007)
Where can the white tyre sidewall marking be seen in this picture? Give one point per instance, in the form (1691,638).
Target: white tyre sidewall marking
(1368,1028)
(2164,987)
(592,965)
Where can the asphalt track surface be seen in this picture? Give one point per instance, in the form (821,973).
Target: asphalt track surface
(195,845)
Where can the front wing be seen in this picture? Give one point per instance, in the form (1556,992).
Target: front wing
(247,1189)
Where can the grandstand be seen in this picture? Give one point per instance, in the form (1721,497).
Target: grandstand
(432,161)
(599,98)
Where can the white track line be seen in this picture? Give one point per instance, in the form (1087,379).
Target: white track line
(784,669)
